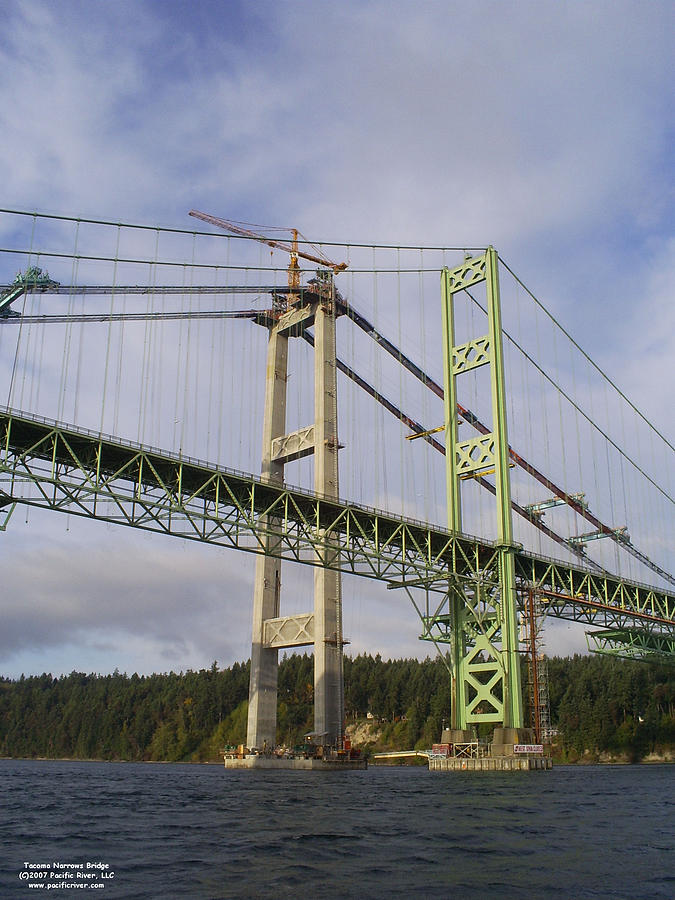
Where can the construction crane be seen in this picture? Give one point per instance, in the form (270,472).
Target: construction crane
(292,248)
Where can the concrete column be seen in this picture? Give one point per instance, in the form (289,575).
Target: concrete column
(262,701)
(328,686)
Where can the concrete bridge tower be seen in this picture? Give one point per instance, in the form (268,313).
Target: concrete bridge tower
(322,627)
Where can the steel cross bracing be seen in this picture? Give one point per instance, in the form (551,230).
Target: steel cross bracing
(55,466)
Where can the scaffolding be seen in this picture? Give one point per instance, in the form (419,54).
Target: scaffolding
(538,694)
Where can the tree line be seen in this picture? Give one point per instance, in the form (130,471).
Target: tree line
(598,704)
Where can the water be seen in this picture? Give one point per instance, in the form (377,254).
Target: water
(181,831)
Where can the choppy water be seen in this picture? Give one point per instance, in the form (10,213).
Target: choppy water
(179,831)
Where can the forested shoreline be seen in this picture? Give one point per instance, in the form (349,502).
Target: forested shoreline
(600,706)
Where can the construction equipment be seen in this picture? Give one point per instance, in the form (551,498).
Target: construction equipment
(292,248)
(32,279)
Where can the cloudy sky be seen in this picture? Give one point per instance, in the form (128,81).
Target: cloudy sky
(544,128)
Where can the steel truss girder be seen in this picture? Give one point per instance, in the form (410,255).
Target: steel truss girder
(54,466)
(569,592)
(631,643)
(45,464)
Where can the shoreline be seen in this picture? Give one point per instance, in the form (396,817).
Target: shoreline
(580,763)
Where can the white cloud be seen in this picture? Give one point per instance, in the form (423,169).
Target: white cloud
(648,333)
(158,604)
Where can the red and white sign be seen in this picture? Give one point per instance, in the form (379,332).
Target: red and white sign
(528,748)
(440,750)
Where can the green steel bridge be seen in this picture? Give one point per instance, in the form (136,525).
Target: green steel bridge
(469,592)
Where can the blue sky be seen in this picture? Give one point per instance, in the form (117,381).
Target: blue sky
(545,128)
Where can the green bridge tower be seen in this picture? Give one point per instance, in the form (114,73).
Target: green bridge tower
(481,622)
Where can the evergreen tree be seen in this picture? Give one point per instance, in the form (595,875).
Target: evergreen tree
(599,704)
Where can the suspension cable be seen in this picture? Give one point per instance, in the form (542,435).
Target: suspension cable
(586,356)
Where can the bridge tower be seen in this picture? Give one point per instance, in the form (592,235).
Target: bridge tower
(323,626)
(481,621)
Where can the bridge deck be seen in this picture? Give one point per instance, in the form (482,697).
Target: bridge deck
(51,465)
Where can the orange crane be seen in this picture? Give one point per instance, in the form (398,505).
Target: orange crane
(292,248)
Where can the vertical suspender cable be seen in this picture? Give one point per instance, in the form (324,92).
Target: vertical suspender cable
(578,424)
(610,480)
(80,351)
(65,360)
(109,341)
(209,403)
(148,334)
(119,371)
(162,418)
(177,433)
(428,488)
(403,467)
(377,372)
(38,380)
(190,416)
(222,357)
(10,390)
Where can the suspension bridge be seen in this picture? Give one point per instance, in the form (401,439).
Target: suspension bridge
(487,465)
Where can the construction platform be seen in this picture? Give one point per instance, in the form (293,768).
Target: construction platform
(338,764)
(459,751)
(489,764)
(511,750)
